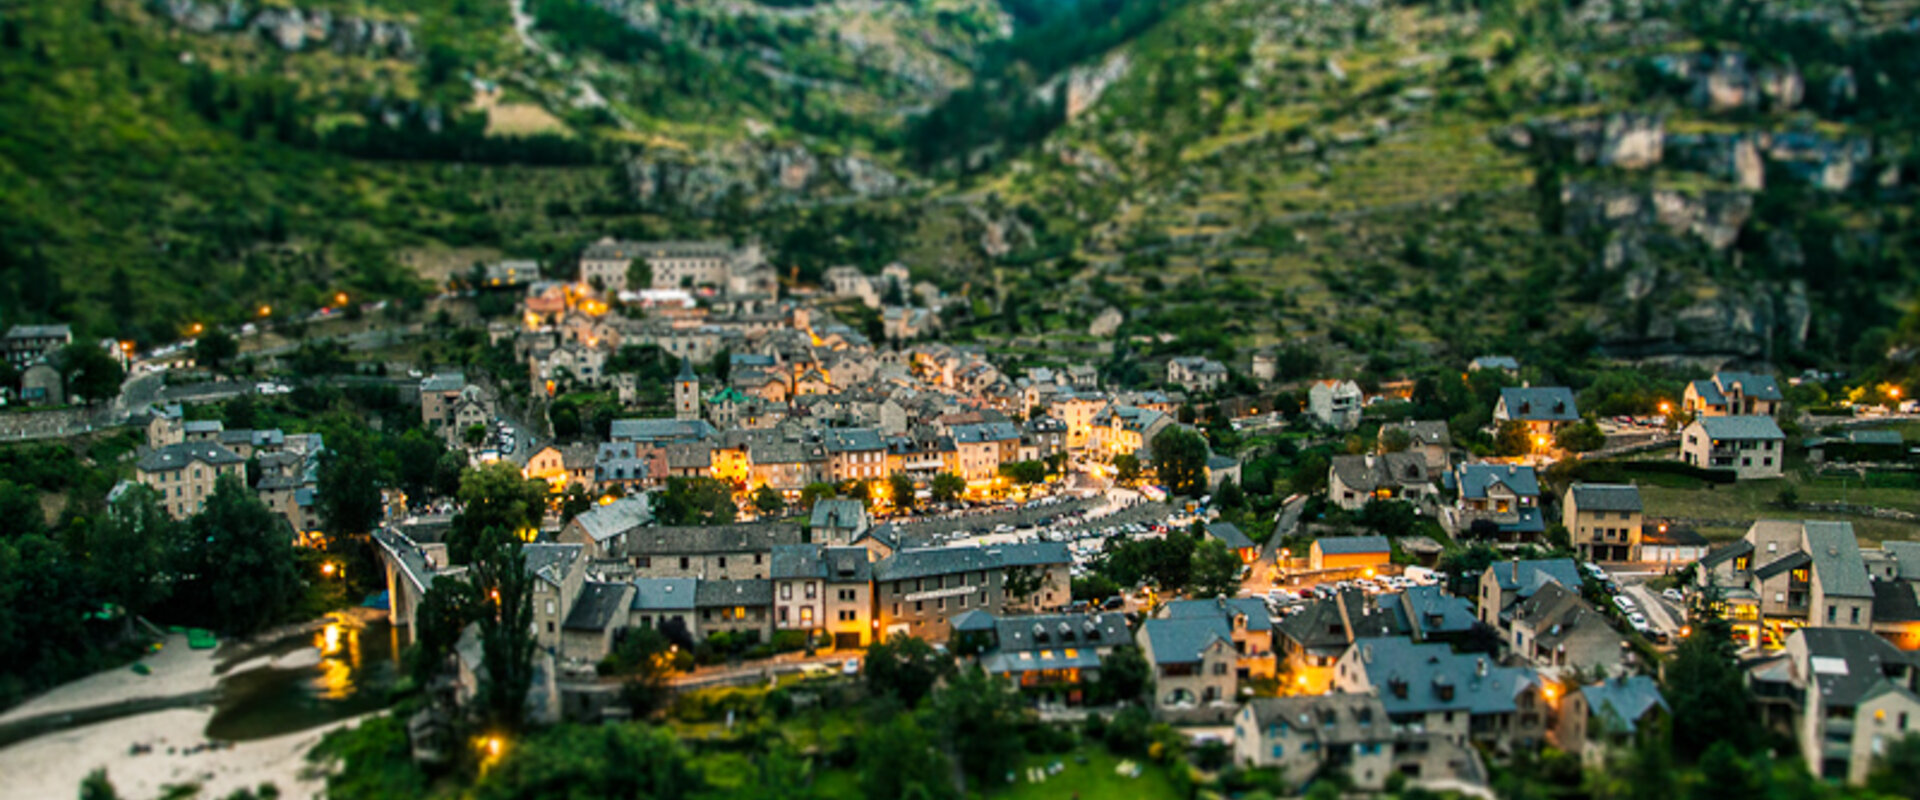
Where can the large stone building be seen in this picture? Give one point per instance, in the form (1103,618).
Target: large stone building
(1750,446)
(916,591)
(1604,520)
(1786,574)
(675,265)
(185,474)
(1733,394)
(826,592)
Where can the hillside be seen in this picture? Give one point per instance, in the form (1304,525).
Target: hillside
(1686,181)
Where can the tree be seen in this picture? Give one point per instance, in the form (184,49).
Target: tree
(1125,676)
(1022,583)
(901,489)
(1025,473)
(1395,440)
(349,491)
(446,608)
(505,589)
(641,655)
(639,275)
(768,502)
(1216,570)
(128,551)
(947,487)
(1512,439)
(1704,685)
(976,711)
(474,435)
(580,761)
(20,512)
(1311,476)
(816,492)
(897,761)
(214,349)
(1391,518)
(96,787)
(446,474)
(1229,497)
(695,501)
(1580,437)
(1180,461)
(905,668)
(494,497)
(240,556)
(417,463)
(1893,772)
(576,501)
(1126,468)
(90,373)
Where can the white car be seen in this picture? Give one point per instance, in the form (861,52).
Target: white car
(1674,595)
(1638,621)
(1625,603)
(850,667)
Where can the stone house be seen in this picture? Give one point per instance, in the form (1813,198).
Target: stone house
(1604,520)
(1751,446)
(185,474)
(1354,481)
(824,591)
(1194,668)
(1733,394)
(1606,720)
(1463,697)
(1335,403)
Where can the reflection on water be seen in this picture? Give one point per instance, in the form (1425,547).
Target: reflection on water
(339,671)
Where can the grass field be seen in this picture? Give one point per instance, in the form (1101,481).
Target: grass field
(1090,781)
(1751,500)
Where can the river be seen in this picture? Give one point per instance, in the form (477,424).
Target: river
(344,669)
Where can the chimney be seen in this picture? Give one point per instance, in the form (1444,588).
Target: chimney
(1366,653)
(1480,667)
(1516,569)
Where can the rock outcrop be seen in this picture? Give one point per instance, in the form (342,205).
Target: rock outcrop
(753,171)
(293,29)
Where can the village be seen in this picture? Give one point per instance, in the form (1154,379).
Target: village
(774,491)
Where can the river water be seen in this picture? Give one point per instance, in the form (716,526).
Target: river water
(342,670)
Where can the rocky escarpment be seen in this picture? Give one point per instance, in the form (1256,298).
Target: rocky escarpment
(754,171)
(293,29)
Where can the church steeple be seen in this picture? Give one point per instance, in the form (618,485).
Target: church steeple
(686,392)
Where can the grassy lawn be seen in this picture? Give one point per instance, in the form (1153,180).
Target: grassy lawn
(1751,500)
(1093,780)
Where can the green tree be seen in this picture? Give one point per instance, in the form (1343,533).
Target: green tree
(695,501)
(373,761)
(1311,476)
(349,491)
(816,492)
(417,463)
(214,349)
(642,656)
(447,471)
(1392,518)
(1215,571)
(639,275)
(1704,685)
(1025,473)
(976,711)
(129,550)
(20,512)
(1229,497)
(1580,437)
(90,373)
(1125,676)
(474,435)
(1395,440)
(901,489)
(947,487)
(1126,468)
(1893,771)
(1180,461)
(574,502)
(244,572)
(897,760)
(768,502)
(505,591)
(1512,439)
(446,608)
(579,761)
(96,787)
(905,668)
(494,497)
(1022,583)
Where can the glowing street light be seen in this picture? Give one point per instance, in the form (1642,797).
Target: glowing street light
(196,329)
(328,569)
(339,298)
(266,310)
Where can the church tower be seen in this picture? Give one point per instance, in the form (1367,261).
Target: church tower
(686,392)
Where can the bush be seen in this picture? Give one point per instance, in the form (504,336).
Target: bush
(789,641)
(1128,734)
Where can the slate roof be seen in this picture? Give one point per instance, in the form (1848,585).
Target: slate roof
(1495,362)
(1606,497)
(1031,632)
(851,440)
(1895,601)
(1230,534)
(1849,664)
(1435,611)
(688,540)
(1673,536)
(663,594)
(1365,473)
(550,562)
(1350,545)
(832,564)
(1475,479)
(1727,552)
(1907,555)
(923,562)
(597,607)
(981,432)
(837,514)
(620,516)
(1181,641)
(1540,403)
(974,620)
(1558,614)
(40,331)
(710,594)
(1526,577)
(1624,702)
(1255,609)
(1793,560)
(443,382)
(1754,385)
(689,455)
(1741,428)
(1425,669)
(177,456)
(202,426)
(1836,559)
(658,430)
(1425,432)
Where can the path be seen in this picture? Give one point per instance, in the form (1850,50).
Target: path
(53,765)
(1655,609)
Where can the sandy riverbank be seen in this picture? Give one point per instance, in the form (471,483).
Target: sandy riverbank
(53,765)
(176,670)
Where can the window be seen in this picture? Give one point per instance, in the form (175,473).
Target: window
(811,589)
(1856,615)
(786,591)
(919,606)
(683,562)
(756,559)
(549,608)
(1279,751)
(1832,614)
(1220,669)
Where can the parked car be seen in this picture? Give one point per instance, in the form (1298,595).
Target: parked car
(1674,595)
(1638,621)
(850,667)
(1624,603)
(1114,603)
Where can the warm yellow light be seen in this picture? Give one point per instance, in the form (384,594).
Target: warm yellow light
(606,499)
(1665,407)
(266,310)
(494,594)
(1302,680)
(327,569)
(339,298)
(1540,441)
(1369,572)
(1894,392)
(196,328)
(1685,631)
